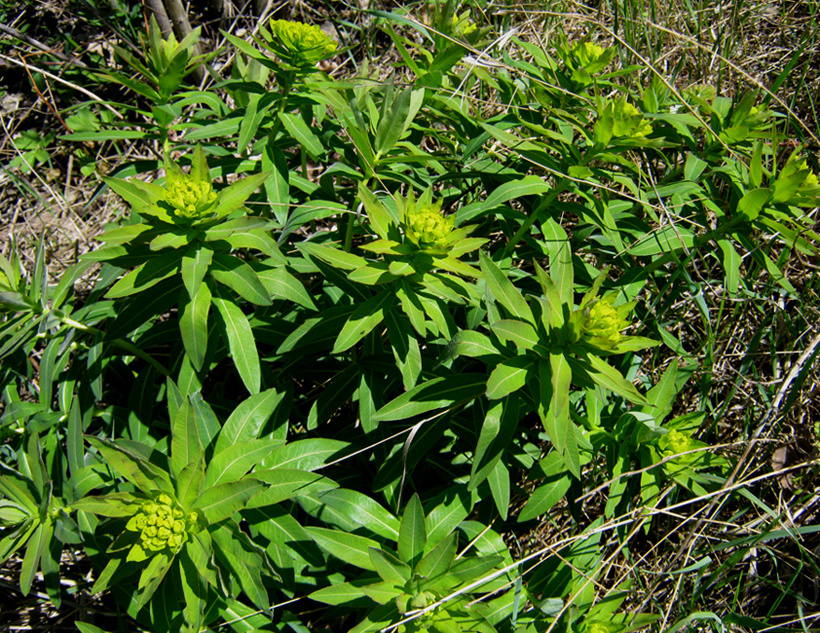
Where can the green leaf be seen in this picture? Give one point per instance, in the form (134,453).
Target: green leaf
(338,594)
(522,334)
(299,130)
(549,493)
(405,347)
(84,627)
(362,510)
(234,196)
(234,461)
(34,551)
(364,318)
(731,266)
(140,309)
(308,454)
(188,482)
(499,480)
(280,283)
(752,203)
(504,291)
(145,276)
(666,239)
(526,186)
(390,568)
(286,483)
(241,278)
(186,440)
(195,264)
(350,548)
(333,256)
(124,234)
(557,421)
(438,393)
(193,324)
(222,501)
(438,560)
(380,218)
(607,377)
(471,343)
(412,532)
(496,433)
(248,418)
(395,122)
(241,342)
(194,590)
(509,376)
(150,578)
(447,516)
(144,475)
(277,184)
(229,228)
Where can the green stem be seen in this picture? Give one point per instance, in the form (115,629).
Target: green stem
(117,342)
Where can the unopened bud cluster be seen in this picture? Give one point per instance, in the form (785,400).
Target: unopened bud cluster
(428,228)
(161,524)
(189,197)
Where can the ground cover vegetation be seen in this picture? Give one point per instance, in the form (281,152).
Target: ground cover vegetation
(429,317)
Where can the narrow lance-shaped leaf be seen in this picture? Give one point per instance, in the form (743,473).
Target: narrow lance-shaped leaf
(504,291)
(412,532)
(241,342)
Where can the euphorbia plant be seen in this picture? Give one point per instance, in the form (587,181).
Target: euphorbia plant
(187,232)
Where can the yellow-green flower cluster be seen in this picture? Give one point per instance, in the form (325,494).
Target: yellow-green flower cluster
(587,53)
(795,165)
(674,443)
(598,627)
(303,42)
(189,197)
(605,321)
(161,524)
(628,121)
(427,228)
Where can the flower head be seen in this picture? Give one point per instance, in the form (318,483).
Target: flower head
(629,121)
(190,198)
(160,526)
(591,57)
(605,320)
(302,43)
(674,443)
(428,228)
